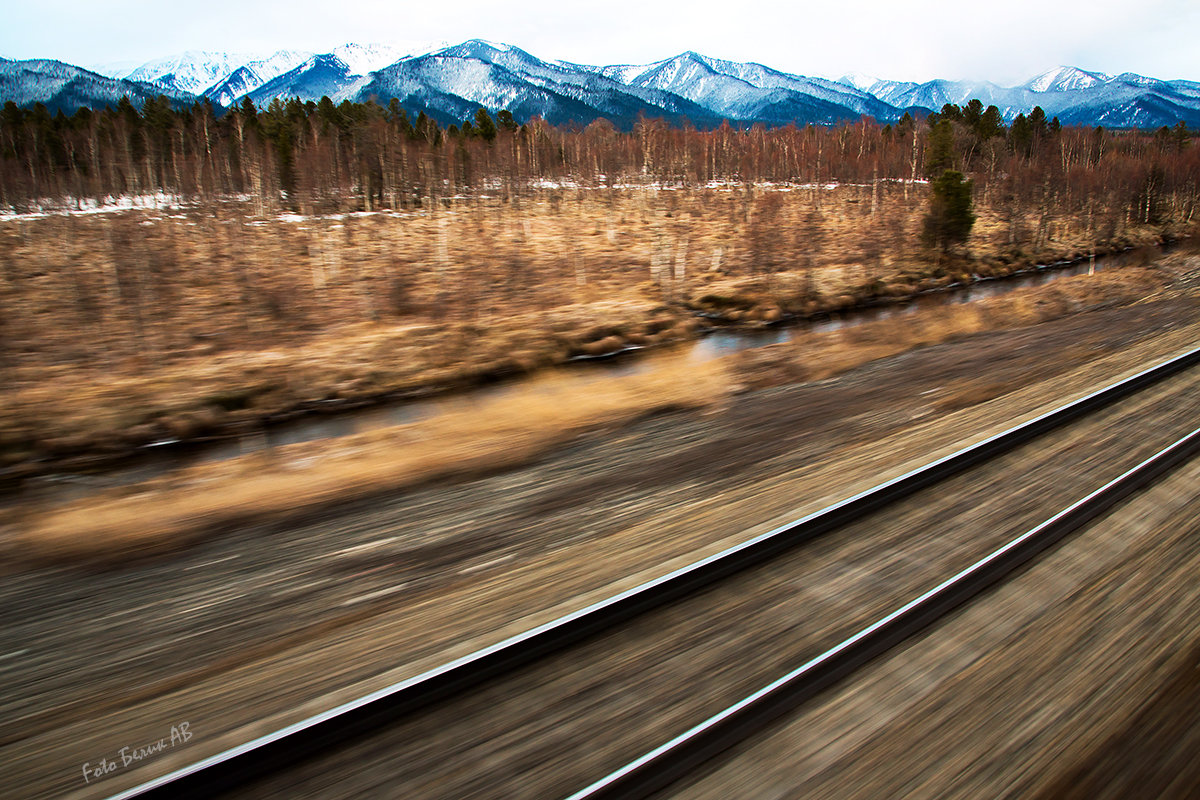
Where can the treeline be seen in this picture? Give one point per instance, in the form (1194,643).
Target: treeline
(321,157)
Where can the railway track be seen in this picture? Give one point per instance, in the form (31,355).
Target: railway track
(672,611)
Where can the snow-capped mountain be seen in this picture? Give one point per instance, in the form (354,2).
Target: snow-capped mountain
(253,74)
(63,87)
(312,79)
(113,69)
(749,91)
(1075,96)
(1129,100)
(362,59)
(859,81)
(1066,79)
(191,72)
(225,78)
(451,82)
(936,93)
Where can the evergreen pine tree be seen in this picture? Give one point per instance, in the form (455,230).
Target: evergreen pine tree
(952,112)
(327,113)
(504,119)
(972,115)
(1181,136)
(1020,136)
(951,215)
(406,128)
(939,151)
(249,111)
(484,125)
(421,129)
(991,123)
(1037,122)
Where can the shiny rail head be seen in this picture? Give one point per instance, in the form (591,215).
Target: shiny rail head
(645,592)
(638,779)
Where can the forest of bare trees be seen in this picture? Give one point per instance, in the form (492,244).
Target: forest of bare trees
(321,157)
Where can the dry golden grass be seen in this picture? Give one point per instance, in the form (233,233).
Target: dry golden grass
(473,437)
(170,512)
(67,410)
(822,355)
(121,330)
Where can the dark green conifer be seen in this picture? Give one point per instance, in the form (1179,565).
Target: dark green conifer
(1037,123)
(972,115)
(504,119)
(1181,136)
(951,215)
(249,111)
(939,150)
(1020,135)
(484,125)
(991,123)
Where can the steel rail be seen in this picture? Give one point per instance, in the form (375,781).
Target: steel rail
(276,751)
(679,756)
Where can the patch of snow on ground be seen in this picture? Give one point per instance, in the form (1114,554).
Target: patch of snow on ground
(161,201)
(109,205)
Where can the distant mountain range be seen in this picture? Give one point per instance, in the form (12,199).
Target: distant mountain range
(451,83)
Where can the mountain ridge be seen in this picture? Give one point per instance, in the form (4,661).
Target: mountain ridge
(450,82)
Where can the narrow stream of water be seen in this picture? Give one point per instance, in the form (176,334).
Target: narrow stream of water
(57,488)
(724,341)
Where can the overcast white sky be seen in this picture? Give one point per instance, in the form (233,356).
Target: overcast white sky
(1006,42)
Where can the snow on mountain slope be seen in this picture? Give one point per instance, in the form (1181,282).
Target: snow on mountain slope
(725,82)
(316,77)
(244,75)
(690,75)
(480,82)
(1126,105)
(1066,79)
(1187,89)
(241,81)
(63,87)
(250,76)
(623,73)
(1133,79)
(361,59)
(859,81)
(451,82)
(748,91)
(451,87)
(583,84)
(113,69)
(191,72)
(935,94)
(1075,96)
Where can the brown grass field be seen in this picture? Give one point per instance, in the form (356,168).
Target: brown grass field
(473,437)
(118,330)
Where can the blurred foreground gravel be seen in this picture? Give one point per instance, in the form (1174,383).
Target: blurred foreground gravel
(265,625)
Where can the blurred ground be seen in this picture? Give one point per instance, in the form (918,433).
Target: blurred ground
(549,728)
(1075,679)
(245,631)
